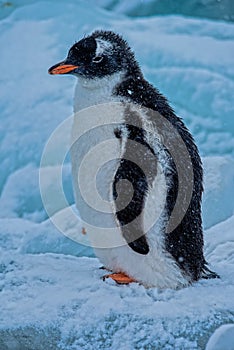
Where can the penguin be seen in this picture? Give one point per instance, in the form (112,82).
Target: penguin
(147,133)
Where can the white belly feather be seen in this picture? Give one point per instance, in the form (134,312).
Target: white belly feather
(157,268)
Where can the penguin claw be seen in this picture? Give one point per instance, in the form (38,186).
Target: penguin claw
(119,278)
(104,268)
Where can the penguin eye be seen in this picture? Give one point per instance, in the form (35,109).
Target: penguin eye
(97,59)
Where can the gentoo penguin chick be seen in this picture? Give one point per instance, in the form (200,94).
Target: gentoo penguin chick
(157,256)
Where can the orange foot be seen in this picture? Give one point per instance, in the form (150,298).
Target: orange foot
(119,278)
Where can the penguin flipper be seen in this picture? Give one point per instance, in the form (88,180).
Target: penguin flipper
(140,245)
(130,216)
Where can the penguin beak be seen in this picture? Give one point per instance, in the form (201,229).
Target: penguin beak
(62,68)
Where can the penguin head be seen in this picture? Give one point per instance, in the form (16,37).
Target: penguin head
(101,54)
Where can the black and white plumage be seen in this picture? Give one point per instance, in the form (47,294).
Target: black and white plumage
(108,72)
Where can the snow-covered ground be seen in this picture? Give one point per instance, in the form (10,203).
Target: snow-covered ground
(51,292)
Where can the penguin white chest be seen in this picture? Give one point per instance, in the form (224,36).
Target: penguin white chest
(90,92)
(95,156)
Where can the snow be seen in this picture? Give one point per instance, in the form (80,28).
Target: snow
(222,339)
(218,182)
(51,292)
(64,298)
(219,9)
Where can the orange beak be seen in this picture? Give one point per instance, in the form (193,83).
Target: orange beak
(62,68)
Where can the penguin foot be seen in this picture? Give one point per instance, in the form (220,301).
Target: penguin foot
(119,278)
